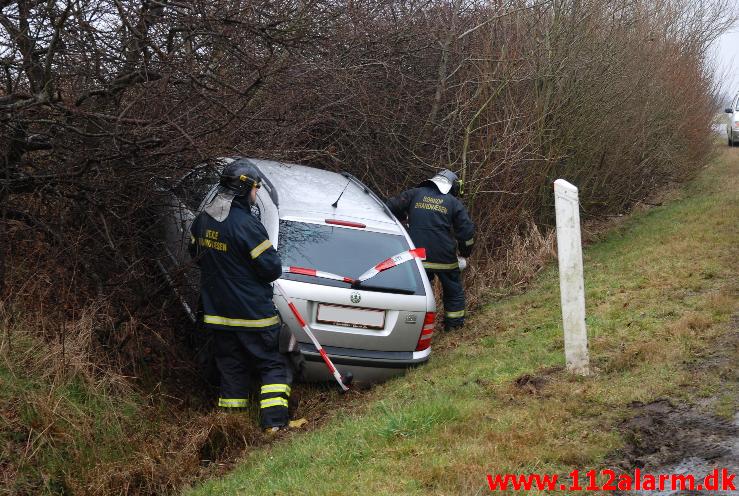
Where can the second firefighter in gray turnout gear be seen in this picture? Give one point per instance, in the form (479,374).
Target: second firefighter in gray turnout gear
(438,222)
(237,264)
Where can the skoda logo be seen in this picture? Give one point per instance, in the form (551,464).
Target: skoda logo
(355,297)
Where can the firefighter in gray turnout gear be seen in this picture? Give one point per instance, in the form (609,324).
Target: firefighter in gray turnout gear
(438,222)
(237,264)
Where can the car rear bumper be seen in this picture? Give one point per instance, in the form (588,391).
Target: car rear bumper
(365,365)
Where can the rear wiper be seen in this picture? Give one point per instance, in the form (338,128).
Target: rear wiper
(384,289)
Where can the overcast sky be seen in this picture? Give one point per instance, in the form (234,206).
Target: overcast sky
(726,52)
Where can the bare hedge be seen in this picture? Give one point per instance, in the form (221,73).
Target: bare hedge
(101,96)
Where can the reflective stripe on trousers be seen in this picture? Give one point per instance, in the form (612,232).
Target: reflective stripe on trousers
(273,405)
(272,395)
(232,402)
(276,388)
(453,295)
(454,315)
(269,403)
(225,321)
(440,266)
(237,352)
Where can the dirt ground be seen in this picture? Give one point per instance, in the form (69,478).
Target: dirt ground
(665,437)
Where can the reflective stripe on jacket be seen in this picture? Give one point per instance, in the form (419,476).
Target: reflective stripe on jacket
(438,222)
(237,262)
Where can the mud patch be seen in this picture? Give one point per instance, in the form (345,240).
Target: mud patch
(662,433)
(535,383)
(663,438)
(667,438)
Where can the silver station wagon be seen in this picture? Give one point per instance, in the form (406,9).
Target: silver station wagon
(330,222)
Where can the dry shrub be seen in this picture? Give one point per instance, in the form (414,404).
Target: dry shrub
(77,352)
(204,446)
(54,330)
(70,400)
(76,424)
(528,253)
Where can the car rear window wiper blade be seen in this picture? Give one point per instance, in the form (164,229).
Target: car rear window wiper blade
(384,289)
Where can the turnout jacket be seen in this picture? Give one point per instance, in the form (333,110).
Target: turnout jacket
(438,222)
(237,262)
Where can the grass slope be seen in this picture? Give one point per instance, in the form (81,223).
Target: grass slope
(660,291)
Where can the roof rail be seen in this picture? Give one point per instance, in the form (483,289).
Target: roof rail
(369,192)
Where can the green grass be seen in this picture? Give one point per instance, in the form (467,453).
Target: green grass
(54,431)
(660,291)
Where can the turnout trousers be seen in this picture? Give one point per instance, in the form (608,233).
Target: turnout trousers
(236,354)
(452,295)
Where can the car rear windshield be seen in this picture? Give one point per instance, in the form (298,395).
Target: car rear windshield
(346,252)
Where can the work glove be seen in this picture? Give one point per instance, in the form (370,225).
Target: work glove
(462,263)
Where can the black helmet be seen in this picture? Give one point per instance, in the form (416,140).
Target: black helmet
(240,176)
(448,182)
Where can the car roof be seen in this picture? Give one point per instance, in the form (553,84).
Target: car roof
(307,194)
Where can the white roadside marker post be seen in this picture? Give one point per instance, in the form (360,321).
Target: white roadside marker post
(571,283)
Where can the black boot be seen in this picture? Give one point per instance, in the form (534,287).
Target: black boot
(452,327)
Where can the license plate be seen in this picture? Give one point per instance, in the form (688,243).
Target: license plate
(362,318)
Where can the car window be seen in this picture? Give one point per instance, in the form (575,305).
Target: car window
(192,188)
(346,252)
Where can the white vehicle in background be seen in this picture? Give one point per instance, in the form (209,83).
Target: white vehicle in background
(732,128)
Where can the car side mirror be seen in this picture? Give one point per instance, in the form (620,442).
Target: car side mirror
(728,111)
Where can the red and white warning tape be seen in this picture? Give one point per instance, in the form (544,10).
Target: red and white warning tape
(307,330)
(389,263)
(393,262)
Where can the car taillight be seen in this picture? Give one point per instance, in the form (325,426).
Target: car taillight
(424,341)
